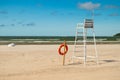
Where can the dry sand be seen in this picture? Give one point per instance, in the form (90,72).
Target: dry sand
(42,62)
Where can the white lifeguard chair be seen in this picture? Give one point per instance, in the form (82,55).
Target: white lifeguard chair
(81,41)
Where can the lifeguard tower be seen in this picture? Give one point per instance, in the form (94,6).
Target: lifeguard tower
(81,41)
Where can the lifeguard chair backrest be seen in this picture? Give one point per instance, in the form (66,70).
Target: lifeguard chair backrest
(88,23)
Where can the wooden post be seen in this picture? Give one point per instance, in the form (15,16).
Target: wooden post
(64,54)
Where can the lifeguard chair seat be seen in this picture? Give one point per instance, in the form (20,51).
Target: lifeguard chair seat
(88,23)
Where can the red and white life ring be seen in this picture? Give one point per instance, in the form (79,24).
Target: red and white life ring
(64,52)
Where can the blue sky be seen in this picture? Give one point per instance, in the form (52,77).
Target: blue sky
(57,17)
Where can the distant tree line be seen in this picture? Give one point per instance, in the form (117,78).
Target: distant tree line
(116,35)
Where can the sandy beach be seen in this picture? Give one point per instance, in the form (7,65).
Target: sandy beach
(42,62)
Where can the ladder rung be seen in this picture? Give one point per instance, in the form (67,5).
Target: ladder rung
(82,57)
(80,27)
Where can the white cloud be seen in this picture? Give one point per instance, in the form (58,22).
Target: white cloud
(88,5)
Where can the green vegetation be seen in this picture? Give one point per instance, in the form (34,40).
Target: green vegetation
(53,39)
(117,35)
(37,38)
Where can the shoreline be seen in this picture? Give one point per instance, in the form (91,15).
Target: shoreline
(54,42)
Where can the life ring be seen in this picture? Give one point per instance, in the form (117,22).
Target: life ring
(66,49)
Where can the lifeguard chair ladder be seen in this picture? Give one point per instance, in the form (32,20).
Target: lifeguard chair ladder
(80,41)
